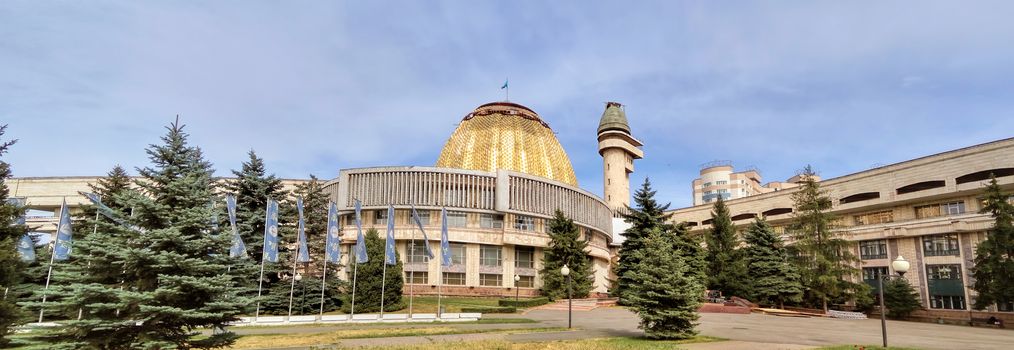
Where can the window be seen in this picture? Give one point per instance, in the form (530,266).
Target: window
(940,245)
(872,273)
(709,192)
(706,184)
(1005,307)
(939,209)
(457,253)
(952,302)
(526,282)
(424,217)
(417,277)
(588,235)
(943,272)
(722,190)
(490,221)
(945,286)
(878,217)
(380,217)
(454,278)
(873,249)
(524,223)
(416,251)
(490,255)
(490,280)
(457,219)
(721,182)
(524,257)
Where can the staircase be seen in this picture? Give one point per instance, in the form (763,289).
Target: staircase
(578,304)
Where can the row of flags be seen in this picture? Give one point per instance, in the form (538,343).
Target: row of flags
(62,250)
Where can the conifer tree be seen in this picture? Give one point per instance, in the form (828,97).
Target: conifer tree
(994,257)
(116,182)
(646,215)
(773,280)
(726,268)
(825,261)
(565,248)
(315,205)
(10,233)
(900,298)
(668,294)
(252,188)
(368,282)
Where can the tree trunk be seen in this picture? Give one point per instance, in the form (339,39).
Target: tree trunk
(825,304)
(781,304)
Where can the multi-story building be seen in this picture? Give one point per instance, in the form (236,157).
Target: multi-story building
(719,179)
(925,209)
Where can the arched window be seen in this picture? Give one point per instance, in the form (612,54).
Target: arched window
(920,186)
(984,175)
(865,196)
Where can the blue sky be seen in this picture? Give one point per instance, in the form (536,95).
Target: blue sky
(314,87)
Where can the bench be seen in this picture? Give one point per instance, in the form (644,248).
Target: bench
(992,321)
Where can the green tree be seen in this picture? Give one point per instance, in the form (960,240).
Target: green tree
(994,257)
(368,281)
(315,205)
(11,266)
(900,298)
(825,260)
(726,267)
(668,294)
(252,188)
(112,187)
(773,280)
(565,248)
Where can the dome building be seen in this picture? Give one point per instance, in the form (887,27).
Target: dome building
(501,176)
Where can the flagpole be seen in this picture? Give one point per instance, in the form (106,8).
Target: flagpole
(292,287)
(411,286)
(323,284)
(260,286)
(440,282)
(383,285)
(355,269)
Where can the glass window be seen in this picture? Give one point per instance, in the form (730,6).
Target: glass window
(416,251)
(457,253)
(490,220)
(417,277)
(588,235)
(524,257)
(454,278)
(526,282)
(876,249)
(424,217)
(490,280)
(706,184)
(943,272)
(872,273)
(490,255)
(524,223)
(939,209)
(940,245)
(874,218)
(953,208)
(457,219)
(380,217)
(952,302)
(722,190)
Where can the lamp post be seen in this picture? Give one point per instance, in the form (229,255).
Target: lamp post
(565,271)
(900,266)
(517,292)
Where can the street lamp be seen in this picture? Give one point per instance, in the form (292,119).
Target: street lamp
(299,278)
(565,271)
(900,266)
(517,292)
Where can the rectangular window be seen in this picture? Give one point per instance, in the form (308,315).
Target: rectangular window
(722,190)
(588,235)
(380,217)
(490,255)
(940,245)
(457,219)
(526,282)
(874,218)
(876,249)
(524,223)
(721,182)
(953,208)
(454,278)
(416,251)
(524,257)
(424,217)
(490,280)
(417,277)
(950,302)
(490,220)
(706,184)
(457,253)
(872,273)
(1005,307)
(943,272)
(939,209)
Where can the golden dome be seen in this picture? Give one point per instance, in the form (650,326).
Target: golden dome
(504,135)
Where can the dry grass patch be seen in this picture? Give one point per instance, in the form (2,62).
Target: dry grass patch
(617,343)
(287,340)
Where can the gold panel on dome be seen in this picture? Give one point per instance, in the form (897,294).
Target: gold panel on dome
(504,135)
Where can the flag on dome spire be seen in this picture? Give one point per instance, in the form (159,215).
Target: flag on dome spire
(64,234)
(360,248)
(332,245)
(504,84)
(426,240)
(389,254)
(302,255)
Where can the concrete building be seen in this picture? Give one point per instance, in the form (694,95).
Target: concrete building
(718,179)
(925,209)
(618,149)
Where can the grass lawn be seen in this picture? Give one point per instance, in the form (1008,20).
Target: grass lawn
(491,320)
(863,347)
(617,343)
(285,340)
(428,304)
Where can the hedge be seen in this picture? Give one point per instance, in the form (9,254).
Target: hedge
(490,309)
(524,302)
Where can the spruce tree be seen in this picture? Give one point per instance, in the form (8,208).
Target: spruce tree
(826,262)
(773,280)
(11,232)
(668,294)
(726,268)
(900,298)
(646,215)
(315,205)
(565,248)
(116,182)
(368,281)
(994,257)
(252,188)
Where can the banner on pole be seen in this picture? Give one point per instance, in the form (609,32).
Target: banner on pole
(445,246)
(238,248)
(303,254)
(390,257)
(426,240)
(360,247)
(271,232)
(332,245)
(64,235)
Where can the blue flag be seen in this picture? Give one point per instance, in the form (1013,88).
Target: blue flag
(390,257)
(302,255)
(271,232)
(238,248)
(26,248)
(333,243)
(360,248)
(64,234)
(418,222)
(18,202)
(504,84)
(445,246)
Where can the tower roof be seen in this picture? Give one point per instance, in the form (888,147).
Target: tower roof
(614,118)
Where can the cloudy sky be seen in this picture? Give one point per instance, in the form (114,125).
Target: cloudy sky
(314,88)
